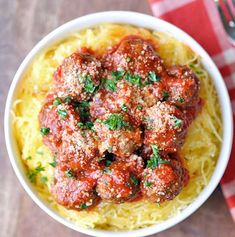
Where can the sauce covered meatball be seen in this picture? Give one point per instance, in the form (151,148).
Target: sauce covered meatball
(183,86)
(118,135)
(78,76)
(165,126)
(137,57)
(76,190)
(54,118)
(79,149)
(165,181)
(120,181)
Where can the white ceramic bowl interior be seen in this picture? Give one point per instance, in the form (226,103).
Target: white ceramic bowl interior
(140,20)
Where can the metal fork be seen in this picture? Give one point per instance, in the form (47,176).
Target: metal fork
(229,24)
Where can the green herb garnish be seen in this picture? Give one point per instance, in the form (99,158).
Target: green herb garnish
(106,170)
(44,131)
(140,107)
(134,180)
(57,101)
(147,183)
(68,99)
(110,149)
(128,59)
(124,108)
(110,84)
(83,206)
(181,100)
(133,79)
(177,122)
(89,86)
(32,174)
(39,153)
(54,163)
(153,77)
(116,122)
(165,94)
(108,162)
(156,160)
(82,108)
(89,125)
(81,125)
(69,173)
(118,74)
(44,179)
(62,113)
(28,158)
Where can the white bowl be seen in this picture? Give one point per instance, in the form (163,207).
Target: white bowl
(140,20)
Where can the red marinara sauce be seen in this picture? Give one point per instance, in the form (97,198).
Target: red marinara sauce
(116,123)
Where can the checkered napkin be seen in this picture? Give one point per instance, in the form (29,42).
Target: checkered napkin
(200,19)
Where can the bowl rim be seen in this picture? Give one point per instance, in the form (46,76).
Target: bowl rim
(139,20)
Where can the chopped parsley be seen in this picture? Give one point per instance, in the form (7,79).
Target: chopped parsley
(83,206)
(54,163)
(81,125)
(39,153)
(82,108)
(89,86)
(128,59)
(134,180)
(108,162)
(28,158)
(89,125)
(68,99)
(110,84)
(153,77)
(106,170)
(62,113)
(133,79)
(165,94)
(181,100)
(43,179)
(116,122)
(147,183)
(57,101)
(69,173)
(44,131)
(140,107)
(118,74)
(156,160)
(177,122)
(127,184)
(32,174)
(110,149)
(124,108)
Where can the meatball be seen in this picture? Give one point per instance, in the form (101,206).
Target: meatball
(76,190)
(166,126)
(79,149)
(137,57)
(164,182)
(54,118)
(135,163)
(118,135)
(119,182)
(78,76)
(183,86)
(125,99)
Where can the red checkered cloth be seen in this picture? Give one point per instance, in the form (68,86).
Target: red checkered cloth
(200,19)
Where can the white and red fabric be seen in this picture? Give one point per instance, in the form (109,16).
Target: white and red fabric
(201,20)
